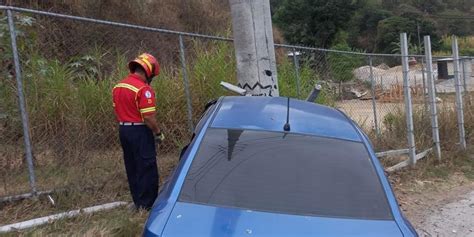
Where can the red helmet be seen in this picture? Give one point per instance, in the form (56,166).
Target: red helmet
(149,64)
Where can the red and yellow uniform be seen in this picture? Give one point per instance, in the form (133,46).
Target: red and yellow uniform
(134,106)
(133,99)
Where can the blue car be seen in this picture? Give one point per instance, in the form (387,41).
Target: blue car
(272,166)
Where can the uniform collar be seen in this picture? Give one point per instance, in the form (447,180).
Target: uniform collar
(131,75)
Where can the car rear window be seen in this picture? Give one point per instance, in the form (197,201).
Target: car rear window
(285,173)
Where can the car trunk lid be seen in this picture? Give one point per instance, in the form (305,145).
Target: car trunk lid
(189,219)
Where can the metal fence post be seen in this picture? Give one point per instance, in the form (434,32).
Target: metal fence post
(467,76)
(374,105)
(21,102)
(459,105)
(463,62)
(432,97)
(186,83)
(297,72)
(408,106)
(425,101)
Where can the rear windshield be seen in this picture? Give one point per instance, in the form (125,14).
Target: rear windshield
(294,174)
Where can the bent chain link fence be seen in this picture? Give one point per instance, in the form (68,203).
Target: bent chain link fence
(69,68)
(12,150)
(70,65)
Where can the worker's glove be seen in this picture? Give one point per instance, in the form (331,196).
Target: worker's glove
(159,137)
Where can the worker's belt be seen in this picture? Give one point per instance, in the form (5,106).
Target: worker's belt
(130,123)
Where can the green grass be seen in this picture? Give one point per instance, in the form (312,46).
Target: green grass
(441,171)
(116,222)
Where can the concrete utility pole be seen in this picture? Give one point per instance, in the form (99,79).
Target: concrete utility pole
(254,48)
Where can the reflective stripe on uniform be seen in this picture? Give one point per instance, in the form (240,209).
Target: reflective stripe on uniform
(146,110)
(127,86)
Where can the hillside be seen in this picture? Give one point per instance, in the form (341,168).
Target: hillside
(203,16)
(368,25)
(372,25)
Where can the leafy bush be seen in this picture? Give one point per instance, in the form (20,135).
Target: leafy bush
(24,39)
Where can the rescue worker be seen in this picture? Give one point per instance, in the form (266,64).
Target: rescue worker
(134,106)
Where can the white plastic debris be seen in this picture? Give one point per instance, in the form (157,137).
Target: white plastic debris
(47,219)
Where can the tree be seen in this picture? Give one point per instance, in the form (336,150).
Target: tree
(454,24)
(274,5)
(429,6)
(314,22)
(389,4)
(459,27)
(388,31)
(409,11)
(363,27)
(461,5)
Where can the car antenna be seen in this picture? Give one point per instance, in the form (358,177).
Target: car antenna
(287,128)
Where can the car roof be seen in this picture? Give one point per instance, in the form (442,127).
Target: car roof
(269,114)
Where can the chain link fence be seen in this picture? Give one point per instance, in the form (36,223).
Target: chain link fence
(368,88)
(70,65)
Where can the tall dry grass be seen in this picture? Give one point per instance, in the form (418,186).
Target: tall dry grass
(63,39)
(394,136)
(203,16)
(465,44)
(70,108)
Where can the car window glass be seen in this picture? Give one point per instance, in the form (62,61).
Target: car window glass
(294,174)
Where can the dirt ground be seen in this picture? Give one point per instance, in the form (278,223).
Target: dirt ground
(453,219)
(439,207)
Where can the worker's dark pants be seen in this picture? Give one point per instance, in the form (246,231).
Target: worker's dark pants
(139,154)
